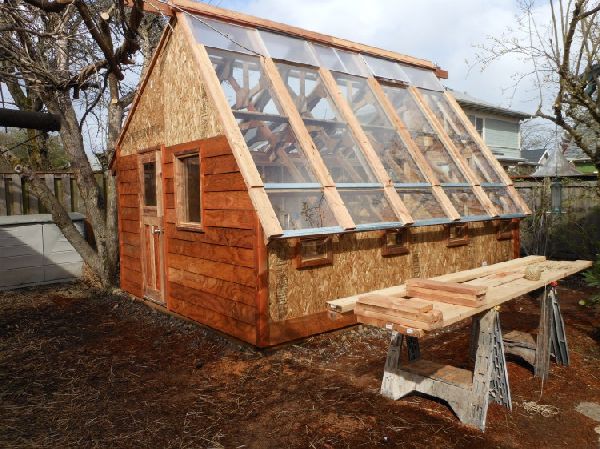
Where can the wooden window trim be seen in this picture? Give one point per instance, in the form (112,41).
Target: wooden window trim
(457,241)
(504,229)
(388,250)
(148,155)
(178,183)
(299,263)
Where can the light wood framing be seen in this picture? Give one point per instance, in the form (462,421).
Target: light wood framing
(414,150)
(174,7)
(333,197)
(240,150)
(454,153)
(367,149)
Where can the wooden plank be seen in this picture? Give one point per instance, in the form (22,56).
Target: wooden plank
(445,203)
(3,210)
(343,305)
(389,316)
(406,330)
(218,270)
(16,195)
(451,287)
(430,318)
(262,292)
(236,200)
(442,296)
(408,305)
(336,204)
(301,327)
(516,196)
(220,165)
(220,253)
(224,182)
(66,182)
(254,22)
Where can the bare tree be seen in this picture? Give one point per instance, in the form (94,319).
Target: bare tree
(79,60)
(560,41)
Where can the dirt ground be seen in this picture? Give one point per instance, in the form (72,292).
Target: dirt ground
(78,369)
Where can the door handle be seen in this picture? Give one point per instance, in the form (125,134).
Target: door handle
(156,230)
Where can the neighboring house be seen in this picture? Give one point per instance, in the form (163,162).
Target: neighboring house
(500,127)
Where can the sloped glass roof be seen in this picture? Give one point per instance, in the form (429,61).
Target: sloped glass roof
(345,140)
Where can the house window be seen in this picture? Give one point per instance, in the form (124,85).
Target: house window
(395,242)
(504,229)
(149,184)
(188,190)
(313,252)
(458,234)
(477,123)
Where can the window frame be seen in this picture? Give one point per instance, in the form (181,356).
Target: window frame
(179,190)
(388,250)
(462,240)
(145,156)
(327,259)
(504,229)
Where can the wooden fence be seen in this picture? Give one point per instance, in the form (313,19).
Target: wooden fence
(16,197)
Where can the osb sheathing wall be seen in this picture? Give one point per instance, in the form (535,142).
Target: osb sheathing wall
(358,266)
(174,107)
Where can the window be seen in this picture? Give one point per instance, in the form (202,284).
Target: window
(395,242)
(477,123)
(149,184)
(458,234)
(313,252)
(504,229)
(188,200)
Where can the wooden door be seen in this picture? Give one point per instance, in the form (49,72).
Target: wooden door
(152,224)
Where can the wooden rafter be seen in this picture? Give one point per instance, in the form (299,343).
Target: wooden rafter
(363,141)
(248,169)
(453,151)
(306,144)
(414,150)
(173,6)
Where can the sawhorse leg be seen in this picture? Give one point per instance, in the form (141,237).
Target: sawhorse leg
(551,338)
(467,393)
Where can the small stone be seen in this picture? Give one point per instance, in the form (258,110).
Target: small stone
(589,409)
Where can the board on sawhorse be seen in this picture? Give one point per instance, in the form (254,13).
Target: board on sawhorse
(550,340)
(467,393)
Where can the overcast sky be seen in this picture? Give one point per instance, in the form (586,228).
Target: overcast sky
(444,32)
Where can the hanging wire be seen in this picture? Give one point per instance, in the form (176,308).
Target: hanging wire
(195,17)
(19,144)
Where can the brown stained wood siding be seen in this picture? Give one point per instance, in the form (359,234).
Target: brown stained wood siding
(128,186)
(211,275)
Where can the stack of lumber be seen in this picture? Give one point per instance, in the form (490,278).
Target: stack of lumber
(415,311)
(397,313)
(448,292)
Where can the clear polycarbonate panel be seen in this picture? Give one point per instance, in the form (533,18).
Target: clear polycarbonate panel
(268,135)
(288,48)
(421,203)
(212,33)
(385,68)
(308,92)
(276,151)
(502,200)
(353,63)
(384,139)
(461,137)
(335,142)
(424,135)
(301,209)
(244,83)
(368,206)
(423,78)
(340,152)
(328,58)
(465,202)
